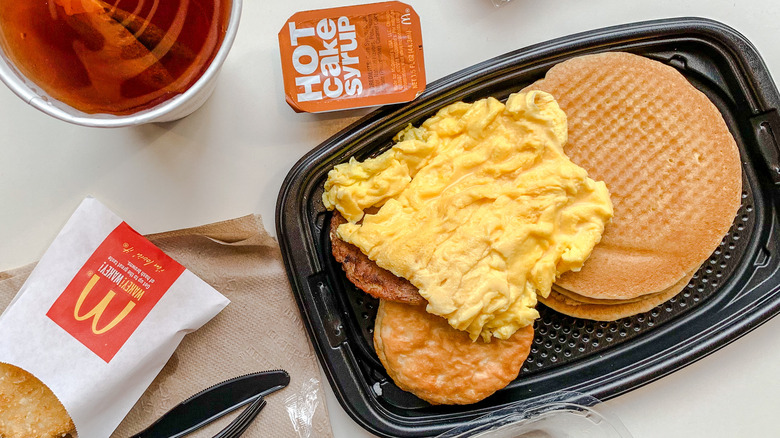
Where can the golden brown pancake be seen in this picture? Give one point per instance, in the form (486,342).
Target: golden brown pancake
(614,310)
(670,163)
(424,355)
(366,274)
(28,408)
(581,299)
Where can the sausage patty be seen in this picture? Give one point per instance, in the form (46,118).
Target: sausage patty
(366,275)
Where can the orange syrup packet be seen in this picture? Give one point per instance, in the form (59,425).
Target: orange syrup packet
(352,57)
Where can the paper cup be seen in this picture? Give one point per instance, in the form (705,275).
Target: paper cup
(172,109)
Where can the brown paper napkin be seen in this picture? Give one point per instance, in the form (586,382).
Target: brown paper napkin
(259,330)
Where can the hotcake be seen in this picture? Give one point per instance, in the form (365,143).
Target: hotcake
(611,310)
(669,160)
(424,355)
(581,299)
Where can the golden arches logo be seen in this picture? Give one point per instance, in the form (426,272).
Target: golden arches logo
(97,312)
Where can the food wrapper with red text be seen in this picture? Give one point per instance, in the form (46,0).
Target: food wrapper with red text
(352,57)
(100,315)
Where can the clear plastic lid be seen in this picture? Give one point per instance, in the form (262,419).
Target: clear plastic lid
(556,415)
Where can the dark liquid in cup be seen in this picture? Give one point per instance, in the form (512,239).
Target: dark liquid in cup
(116,57)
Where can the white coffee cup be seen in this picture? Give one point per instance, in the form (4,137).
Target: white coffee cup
(174,108)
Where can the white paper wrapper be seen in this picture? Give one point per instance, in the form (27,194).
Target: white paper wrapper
(80,321)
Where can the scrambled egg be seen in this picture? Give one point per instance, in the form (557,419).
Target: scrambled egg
(480,209)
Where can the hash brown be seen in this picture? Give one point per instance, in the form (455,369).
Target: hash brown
(28,408)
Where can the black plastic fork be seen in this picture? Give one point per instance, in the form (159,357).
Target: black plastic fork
(239,425)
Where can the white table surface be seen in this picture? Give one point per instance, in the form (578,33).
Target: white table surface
(230,157)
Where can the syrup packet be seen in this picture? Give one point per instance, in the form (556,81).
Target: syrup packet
(352,57)
(100,315)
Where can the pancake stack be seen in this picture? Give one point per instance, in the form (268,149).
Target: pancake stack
(673,172)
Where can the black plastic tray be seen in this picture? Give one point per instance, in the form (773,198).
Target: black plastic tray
(733,292)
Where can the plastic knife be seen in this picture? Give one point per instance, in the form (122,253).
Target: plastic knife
(214,402)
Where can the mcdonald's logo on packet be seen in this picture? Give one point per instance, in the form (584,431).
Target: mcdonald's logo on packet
(352,57)
(113,291)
